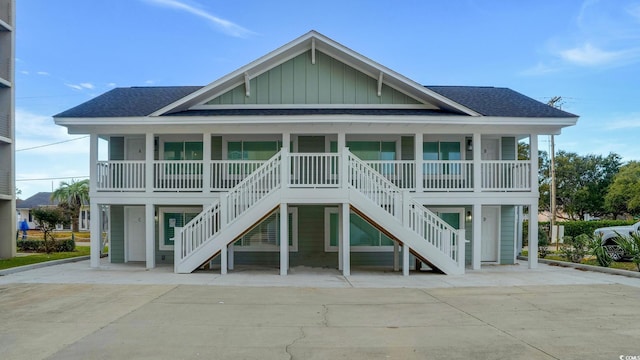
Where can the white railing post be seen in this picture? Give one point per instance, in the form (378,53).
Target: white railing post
(284,166)
(343,173)
(461,244)
(224,210)
(177,247)
(406,199)
(149,180)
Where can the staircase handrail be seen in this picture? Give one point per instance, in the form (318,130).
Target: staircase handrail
(214,218)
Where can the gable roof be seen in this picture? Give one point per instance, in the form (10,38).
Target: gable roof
(143,101)
(126,102)
(315,41)
(36,200)
(492,101)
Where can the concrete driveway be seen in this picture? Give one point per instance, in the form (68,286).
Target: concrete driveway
(503,312)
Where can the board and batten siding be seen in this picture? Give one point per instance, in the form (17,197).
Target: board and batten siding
(116,242)
(298,81)
(507,234)
(509,148)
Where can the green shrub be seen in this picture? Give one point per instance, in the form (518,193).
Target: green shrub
(575,248)
(66,245)
(575,228)
(598,250)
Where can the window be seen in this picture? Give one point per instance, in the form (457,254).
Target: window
(441,150)
(187,150)
(364,236)
(171,218)
(266,235)
(252,150)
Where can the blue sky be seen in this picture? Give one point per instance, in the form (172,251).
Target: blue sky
(69,51)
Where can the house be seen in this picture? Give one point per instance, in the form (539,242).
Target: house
(43,199)
(313,155)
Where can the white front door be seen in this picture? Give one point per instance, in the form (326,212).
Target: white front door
(490,149)
(135,149)
(490,233)
(135,233)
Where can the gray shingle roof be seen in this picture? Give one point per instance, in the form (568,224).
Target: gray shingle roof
(133,101)
(492,101)
(143,101)
(38,199)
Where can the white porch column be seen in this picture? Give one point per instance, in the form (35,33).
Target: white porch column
(476,241)
(284,239)
(206,163)
(346,240)
(533,235)
(477,163)
(223,260)
(148,160)
(149,234)
(340,236)
(396,256)
(94,227)
(231,258)
(419,139)
(533,207)
(405,260)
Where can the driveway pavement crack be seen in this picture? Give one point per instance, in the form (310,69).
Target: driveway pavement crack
(287,348)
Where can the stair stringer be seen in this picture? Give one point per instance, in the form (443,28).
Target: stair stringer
(229,233)
(404,234)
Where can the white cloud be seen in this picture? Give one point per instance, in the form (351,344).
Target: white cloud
(43,73)
(224,25)
(629,121)
(634,11)
(34,130)
(81,86)
(111,84)
(589,55)
(24,72)
(541,69)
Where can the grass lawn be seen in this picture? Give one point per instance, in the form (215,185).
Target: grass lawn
(622,265)
(39,257)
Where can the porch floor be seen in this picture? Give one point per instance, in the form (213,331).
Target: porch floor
(490,275)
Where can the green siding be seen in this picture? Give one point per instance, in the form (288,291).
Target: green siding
(116,244)
(298,81)
(509,148)
(116,148)
(507,234)
(216,148)
(407,148)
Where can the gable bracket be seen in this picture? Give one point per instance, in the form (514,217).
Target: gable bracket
(380,84)
(313,51)
(247,88)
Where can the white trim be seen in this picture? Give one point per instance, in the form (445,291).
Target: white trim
(311,106)
(327,235)
(275,248)
(161,212)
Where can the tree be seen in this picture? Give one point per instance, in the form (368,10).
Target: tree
(72,196)
(624,192)
(47,218)
(583,181)
(544,177)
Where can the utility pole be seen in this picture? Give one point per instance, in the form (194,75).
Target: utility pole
(556,102)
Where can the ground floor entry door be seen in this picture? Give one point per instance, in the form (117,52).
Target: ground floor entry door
(490,233)
(135,233)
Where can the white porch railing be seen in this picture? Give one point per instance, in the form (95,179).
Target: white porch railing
(226,174)
(177,175)
(402,173)
(506,175)
(374,186)
(314,170)
(434,230)
(445,175)
(125,175)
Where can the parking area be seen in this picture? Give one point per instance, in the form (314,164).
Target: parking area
(504,312)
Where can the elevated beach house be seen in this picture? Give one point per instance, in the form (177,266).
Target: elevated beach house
(313,155)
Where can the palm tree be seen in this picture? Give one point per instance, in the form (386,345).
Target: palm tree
(72,196)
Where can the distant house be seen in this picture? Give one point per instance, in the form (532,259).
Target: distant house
(313,155)
(43,199)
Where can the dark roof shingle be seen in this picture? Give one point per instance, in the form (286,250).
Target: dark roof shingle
(126,102)
(493,101)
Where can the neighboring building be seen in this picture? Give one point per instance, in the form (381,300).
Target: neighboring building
(43,199)
(7,131)
(313,146)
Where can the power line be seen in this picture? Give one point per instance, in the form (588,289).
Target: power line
(55,178)
(51,144)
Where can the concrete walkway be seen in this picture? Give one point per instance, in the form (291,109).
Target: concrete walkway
(502,312)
